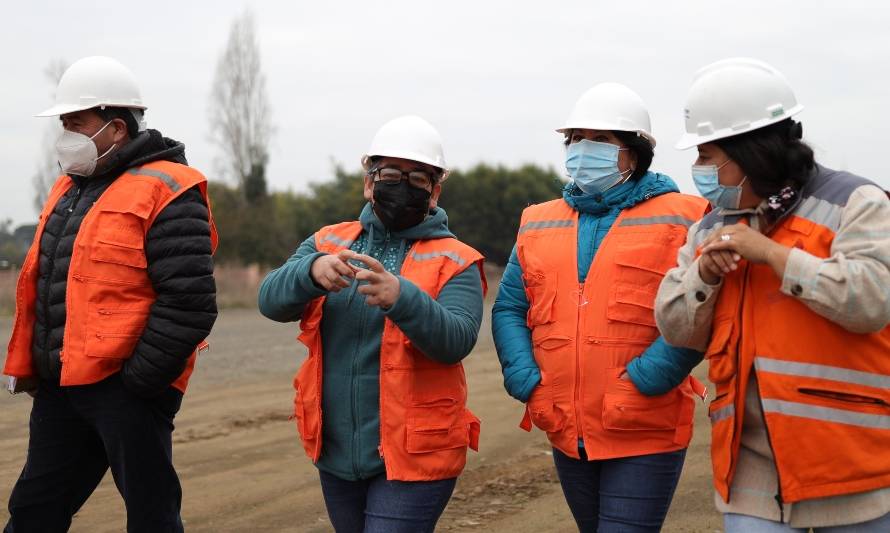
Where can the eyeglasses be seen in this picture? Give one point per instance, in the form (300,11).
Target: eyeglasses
(416,178)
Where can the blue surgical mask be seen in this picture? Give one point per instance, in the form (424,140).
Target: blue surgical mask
(593,166)
(707,182)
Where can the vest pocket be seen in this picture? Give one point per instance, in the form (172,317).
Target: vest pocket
(631,304)
(543,410)
(627,409)
(720,354)
(119,253)
(540,289)
(113,332)
(437,425)
(120,236)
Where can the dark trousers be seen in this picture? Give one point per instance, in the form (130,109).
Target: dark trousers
(77,433)
(376,505)
(627,495)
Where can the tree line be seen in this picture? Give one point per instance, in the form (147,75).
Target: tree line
(483,204)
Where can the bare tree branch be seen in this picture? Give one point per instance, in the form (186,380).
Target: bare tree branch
(239,109)
(48,167)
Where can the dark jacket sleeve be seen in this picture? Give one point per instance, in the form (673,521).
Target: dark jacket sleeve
(180,266)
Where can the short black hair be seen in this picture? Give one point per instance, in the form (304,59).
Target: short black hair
(124,113)
(638,144)
(772,157)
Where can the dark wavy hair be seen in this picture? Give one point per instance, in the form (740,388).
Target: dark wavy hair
(638,144)
(773,157)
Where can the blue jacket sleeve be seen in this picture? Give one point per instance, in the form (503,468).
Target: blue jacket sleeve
(286,290)
(512,337)
(444,329)
(661,367)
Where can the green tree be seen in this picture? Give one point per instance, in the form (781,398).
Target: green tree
(485,202)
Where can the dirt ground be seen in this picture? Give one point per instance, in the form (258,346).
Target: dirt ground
(243,470)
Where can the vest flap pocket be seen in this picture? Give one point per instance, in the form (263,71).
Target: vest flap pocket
(627,409)
(140,205)
(541,292)
(647,255)
(543,410)
(632,304)
(113,331)
(436,425)
(720,353)
(117,251)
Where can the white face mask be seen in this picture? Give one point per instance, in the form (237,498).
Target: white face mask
(78,154)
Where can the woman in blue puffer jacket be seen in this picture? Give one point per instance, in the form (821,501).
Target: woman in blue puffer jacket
(579,345)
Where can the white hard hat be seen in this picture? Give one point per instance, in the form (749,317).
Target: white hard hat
(612,107)
(92,82)
(734,96)
(408,137)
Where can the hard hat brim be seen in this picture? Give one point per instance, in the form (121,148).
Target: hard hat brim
(64,109)
(607,127)
(691,140)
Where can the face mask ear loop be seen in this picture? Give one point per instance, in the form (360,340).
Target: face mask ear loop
(96,134)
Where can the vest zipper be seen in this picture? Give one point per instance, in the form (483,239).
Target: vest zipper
(578,364)
(778,495)
(52,266)
(352,392)
(738,365)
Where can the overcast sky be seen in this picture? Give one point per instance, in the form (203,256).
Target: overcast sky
(495,77)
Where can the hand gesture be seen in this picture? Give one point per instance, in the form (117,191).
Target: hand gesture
(332,272)
(381,288)
(743,242)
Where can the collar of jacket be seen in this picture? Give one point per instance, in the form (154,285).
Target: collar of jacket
(622,197)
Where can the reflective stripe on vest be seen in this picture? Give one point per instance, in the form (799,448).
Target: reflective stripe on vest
(722,413)
(663,219)
(166,178)
(547,224)
(813,370)
(826,414)
(330,237)
(433,255)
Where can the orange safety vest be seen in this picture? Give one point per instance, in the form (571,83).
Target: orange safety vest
(585,334)
(825,391)
(108,293)
(425,426)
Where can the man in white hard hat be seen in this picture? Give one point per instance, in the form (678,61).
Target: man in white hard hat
(391,394)
(115,296)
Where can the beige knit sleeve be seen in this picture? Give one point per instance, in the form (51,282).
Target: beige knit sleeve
(852,286)
(684,306)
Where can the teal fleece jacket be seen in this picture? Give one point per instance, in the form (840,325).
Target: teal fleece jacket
(444,329)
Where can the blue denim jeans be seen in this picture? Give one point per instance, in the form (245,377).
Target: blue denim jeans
(739,523)
(627,494)
(376,505)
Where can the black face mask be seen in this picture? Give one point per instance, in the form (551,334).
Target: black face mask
(399,205)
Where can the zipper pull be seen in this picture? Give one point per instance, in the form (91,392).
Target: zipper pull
(582,300)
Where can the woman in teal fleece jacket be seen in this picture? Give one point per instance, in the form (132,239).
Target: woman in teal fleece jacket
(609,150)
(444,328)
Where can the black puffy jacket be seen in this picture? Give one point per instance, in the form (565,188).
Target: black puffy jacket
(180,267)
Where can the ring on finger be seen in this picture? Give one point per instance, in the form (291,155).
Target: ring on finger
(725,237)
